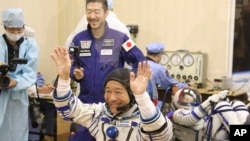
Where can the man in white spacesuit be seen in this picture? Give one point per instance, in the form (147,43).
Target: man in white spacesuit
(214,114)
(128,112)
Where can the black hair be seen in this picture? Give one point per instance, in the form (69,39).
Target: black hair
(104,3)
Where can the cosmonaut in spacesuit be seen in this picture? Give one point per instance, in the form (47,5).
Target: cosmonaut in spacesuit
(127,113)
(214,115)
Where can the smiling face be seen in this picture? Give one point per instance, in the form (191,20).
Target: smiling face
(115,95)
(96,15)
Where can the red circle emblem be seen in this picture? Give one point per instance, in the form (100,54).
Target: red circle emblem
(129,44)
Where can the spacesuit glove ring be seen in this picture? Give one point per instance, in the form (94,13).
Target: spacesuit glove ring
(215,98)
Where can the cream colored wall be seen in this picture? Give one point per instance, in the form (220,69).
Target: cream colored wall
(71,12)
(43,17)
(193,25)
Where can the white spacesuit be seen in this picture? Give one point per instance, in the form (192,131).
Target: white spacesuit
(214,115)
(128,113)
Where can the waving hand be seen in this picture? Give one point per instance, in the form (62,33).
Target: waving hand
(139,82)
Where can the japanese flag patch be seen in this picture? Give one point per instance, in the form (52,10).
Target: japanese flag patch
(129,44)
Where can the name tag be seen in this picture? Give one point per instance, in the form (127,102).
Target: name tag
(84,54)
(123,123)
(106,52)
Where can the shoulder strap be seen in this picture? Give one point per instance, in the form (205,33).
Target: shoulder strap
(37,93)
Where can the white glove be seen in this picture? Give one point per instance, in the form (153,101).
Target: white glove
(215,98)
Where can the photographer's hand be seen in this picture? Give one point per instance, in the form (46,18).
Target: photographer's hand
(13,82)
(78,73)
(46,89)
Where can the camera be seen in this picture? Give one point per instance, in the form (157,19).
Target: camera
(73,50)
(4,81)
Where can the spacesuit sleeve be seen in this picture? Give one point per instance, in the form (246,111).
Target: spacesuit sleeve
(188,118)
(193,116)
(69,107)
(154,124)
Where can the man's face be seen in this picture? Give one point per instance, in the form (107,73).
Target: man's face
(187,99)
(96,15)
(158,59)
(14,30)
(115,95)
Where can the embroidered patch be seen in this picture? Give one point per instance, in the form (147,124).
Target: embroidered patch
(129,44)
(108,42)
(85,44)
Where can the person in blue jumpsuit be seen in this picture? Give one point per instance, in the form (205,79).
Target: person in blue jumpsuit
(15,78)
(112,19)
(101,50)
(160,75)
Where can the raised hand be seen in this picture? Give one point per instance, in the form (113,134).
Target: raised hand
(62,61)
(138,83)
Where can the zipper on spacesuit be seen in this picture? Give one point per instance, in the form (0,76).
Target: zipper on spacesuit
(104,135)
(129,133)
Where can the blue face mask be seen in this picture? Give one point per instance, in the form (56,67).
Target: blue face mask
(14,37)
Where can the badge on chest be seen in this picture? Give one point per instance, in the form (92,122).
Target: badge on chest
(107,46)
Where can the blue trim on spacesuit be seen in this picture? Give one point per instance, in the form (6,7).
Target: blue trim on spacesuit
(195,115)
(62,98)
(65,111)
(154,118)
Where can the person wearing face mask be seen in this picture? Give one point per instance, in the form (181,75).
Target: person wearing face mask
(16,76)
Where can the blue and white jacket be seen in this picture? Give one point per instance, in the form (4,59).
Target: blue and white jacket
(104,126)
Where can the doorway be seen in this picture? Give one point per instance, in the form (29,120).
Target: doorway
(241,45)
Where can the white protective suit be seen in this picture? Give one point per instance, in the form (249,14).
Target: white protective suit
(14,101)
(130,125)
(213,118)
